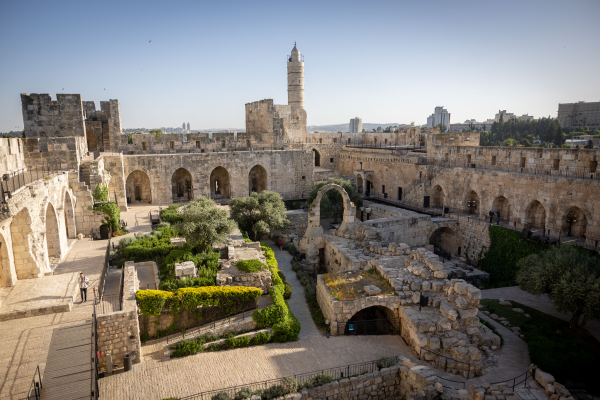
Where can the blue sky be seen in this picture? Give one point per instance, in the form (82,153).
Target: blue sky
(382,61)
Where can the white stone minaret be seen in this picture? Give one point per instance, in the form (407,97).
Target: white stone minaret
(295,69)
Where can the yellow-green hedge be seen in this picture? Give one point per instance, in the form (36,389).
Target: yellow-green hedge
(228,298)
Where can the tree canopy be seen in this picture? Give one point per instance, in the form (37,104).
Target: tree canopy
(204,223)
(259,213)
(332,204)
(524,132)
(569,275)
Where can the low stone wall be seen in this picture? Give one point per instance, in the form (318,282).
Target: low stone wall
(119,332)
(298,223)
(474,236)
(412,230)
(384,211)
(340,255)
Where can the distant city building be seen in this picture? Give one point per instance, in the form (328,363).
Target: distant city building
(356,125)
(575,115)
(188,127)
(440,116)
(471,124)
(506,116)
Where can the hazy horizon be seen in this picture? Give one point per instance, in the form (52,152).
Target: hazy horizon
(376,60)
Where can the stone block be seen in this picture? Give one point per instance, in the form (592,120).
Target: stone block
(467,313)
(447,311)
(185,269)
(543,378)
(372,290)
(180,242)
(462,302)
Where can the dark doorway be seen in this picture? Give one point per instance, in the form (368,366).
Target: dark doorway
(399,194)
(376,320)
(426,201)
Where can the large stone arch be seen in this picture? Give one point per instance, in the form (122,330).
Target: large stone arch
(8,275)
(26,266)
(220,183)
(535,215)
(377,314)
(258,179)
(445,239)
(52,232)
(317,157)
(69,211)
(437,196)
(182,185)
(581,223)
(501,204)
(138,187)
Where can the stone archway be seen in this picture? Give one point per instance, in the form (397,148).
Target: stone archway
(220,186)
(444,239)
(535,215)
(26,266)
(138,187)
(8,276)
(574,222)
(473,202)
(69,216)
(52,232)
(317,157)
(92,143)
(182,185)
(372,320)
(257,179)
(501,204)
(437,196)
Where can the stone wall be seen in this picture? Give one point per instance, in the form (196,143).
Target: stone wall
(298,223)
(45,118)
(39,219)
(341,255)
(64,153)
(384,211)
(113,164)
(119,332)
(412,230)
(287,172)
(11,155)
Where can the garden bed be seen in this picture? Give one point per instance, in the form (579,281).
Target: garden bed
(349,285)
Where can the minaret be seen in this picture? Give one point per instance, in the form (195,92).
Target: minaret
(295,69)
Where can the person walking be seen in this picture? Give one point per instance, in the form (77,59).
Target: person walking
(84,281)
(280,243)
(491,214)
(498,220)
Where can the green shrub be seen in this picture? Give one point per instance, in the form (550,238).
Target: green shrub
(126,241)
(233,342)
(506,249)
(260,338)
(271,393)
(318,380)
(221,396)
(287,293)
(310,292)
(290,385)
(386,362)
(163,224)
(152,302)
(113,214)
(171,215)
(250,266)
(243,394)
(101,192)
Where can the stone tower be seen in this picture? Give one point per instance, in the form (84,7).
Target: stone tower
(295,69)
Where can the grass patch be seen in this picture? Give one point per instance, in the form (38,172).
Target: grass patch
(569,355)
(251,266)
(349,285)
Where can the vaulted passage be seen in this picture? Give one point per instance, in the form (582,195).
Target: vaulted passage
(69,217)
(91,140)
(501,205)
(317,157)
(444,242)
(375,320)
(574,222)
(535,215)
(138,187)
(437,196)
(473,202)
(7,274)
(257,179)
(182,185)
(220,187)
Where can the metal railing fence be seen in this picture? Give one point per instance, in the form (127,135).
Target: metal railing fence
(35,389)
(335,373)
(95,353)
(104,270)
(517,380)
(15,180)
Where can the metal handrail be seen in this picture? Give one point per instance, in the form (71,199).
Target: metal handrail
(10,182)
(528,374)
(336,373)
(96,354)
(447,358)
(450,380)
(36,386)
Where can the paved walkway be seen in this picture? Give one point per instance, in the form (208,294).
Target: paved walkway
(297,302)
(541,303)
(26,341)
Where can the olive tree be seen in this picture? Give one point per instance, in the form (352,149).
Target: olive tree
(204,223)
(569,275)
(259,213)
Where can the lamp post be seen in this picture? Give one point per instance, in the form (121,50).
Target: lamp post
(362,211)
(472,205)
(571,219)
(368,210)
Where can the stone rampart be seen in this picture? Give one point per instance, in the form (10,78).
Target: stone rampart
(119,332)
(11,155)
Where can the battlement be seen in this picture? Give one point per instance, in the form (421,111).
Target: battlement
(44,118)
